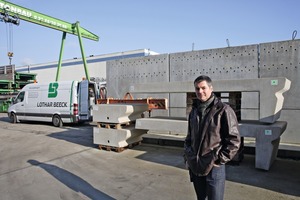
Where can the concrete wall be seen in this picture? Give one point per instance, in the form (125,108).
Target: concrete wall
(283,59)
(251,61)
(120,73)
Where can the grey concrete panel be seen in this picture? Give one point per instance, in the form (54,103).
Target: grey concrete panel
(159,112)
(178,100)
(283,59)
(120,73)
(223,63)
(292,132)
(178,112)
(250,114)
(250,100)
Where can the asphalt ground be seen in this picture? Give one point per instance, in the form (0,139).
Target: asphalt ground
(39,161)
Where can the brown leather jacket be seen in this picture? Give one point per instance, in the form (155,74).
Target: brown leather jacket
(220,138)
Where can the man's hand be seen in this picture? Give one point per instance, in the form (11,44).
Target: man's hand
(186,165)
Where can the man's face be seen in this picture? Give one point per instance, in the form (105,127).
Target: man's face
(203,91)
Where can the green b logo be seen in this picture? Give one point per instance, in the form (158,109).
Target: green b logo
(52,91)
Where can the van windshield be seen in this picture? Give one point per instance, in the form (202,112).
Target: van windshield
(19,98)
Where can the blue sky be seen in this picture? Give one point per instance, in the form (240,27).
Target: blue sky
(159,25)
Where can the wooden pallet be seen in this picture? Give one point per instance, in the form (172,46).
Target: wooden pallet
(118,149)
(113,125)
(111,148)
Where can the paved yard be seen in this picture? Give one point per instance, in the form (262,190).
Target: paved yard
(39,161)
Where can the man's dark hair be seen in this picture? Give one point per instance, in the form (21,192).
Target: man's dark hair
(203,78)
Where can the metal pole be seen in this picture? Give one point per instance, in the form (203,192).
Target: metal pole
(82,52)
(60,55)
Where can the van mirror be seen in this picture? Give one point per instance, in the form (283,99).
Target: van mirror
(16,100)
(13,100)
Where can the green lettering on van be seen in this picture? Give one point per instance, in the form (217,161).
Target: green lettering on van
(52,91)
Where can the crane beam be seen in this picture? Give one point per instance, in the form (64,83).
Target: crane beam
(8,10)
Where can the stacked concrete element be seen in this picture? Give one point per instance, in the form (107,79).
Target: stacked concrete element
(115,125)
(267,131)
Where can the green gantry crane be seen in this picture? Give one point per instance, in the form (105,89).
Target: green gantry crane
(12,13)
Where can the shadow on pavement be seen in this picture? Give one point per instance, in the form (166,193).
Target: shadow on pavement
(82,135)
(171,156)
(4,119)
(72,181)
(283,176)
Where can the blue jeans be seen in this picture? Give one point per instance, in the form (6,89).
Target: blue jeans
(210,186)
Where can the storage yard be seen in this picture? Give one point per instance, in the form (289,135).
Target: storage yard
(39,161)
(79,139)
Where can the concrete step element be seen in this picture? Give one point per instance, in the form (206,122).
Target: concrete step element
(117,137)
(118,113)
(267,139)
(167,124)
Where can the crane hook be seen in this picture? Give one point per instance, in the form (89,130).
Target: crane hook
(294,35)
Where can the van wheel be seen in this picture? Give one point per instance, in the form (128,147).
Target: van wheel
(13,118)
(56,120)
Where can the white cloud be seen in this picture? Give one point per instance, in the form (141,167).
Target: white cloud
(27,61)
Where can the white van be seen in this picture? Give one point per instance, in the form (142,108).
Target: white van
(56,102)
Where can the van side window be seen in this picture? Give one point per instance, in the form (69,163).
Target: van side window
(20,97)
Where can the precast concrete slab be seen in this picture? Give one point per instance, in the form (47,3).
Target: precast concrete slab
(270,92)
(164,124)
(118,113)
(117,137)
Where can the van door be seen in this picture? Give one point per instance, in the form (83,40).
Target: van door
(83,100)
(19,105)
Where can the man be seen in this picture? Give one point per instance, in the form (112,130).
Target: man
(212,140)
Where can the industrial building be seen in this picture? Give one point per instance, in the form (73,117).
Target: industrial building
(72,69)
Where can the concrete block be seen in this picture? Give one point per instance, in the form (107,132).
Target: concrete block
(168,124)
(270,92)
(117,137)
(267,140)
(118,113)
